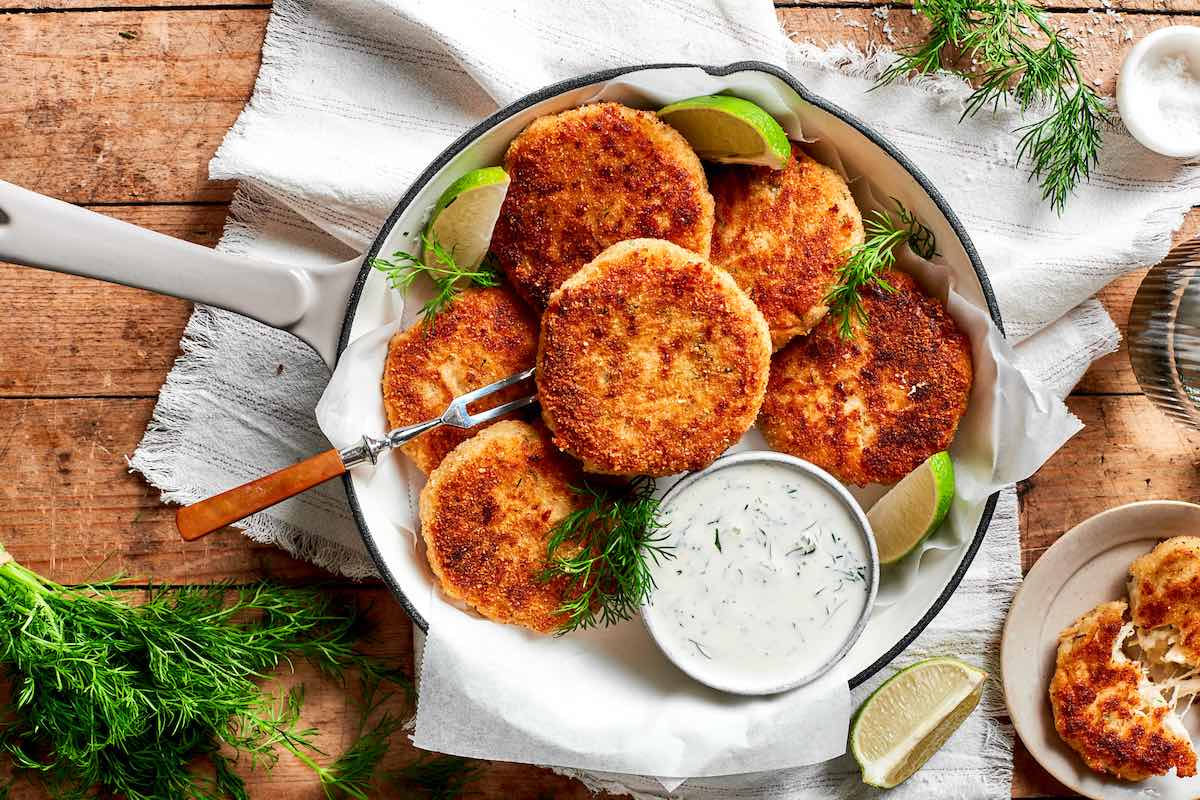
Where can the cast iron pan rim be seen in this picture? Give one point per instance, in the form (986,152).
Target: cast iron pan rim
(583,80)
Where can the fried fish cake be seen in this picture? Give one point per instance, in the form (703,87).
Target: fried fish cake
(482,336)
(783,236)
(870,409)
(486,515)
(1105,707)
(1164,598)
(588,178)
(651,361)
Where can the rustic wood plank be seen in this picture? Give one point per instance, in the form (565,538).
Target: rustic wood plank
(1101,42)
(140,120)
(1098,6)
(1128,451)
(1120,6)
(88,6)
(147,326)
(1030,780)
(123,106)
(70,508)
(94,116)
(77,337)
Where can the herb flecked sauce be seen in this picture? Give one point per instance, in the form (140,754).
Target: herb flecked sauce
(769,579)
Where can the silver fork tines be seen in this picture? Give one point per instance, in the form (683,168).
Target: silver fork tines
(457,414)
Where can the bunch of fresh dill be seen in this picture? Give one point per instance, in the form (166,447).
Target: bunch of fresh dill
(110,698)
(447,276)
(866,262)
(1022,56)
(604,551)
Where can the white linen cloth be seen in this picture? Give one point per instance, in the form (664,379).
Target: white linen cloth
(355,96)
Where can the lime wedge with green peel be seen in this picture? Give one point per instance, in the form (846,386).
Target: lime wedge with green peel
(466,213)
(907,719)
(914,508)
(729,130)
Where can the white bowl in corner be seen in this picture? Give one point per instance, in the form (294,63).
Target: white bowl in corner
(1139,115)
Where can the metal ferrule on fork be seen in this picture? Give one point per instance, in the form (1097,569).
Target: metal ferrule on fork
(457,415)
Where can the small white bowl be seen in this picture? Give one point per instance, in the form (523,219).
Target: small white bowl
(1140,117)
(862,528)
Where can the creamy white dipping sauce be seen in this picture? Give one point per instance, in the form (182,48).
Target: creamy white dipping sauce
(770,579)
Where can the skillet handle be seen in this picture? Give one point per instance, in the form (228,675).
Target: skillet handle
(39,231)
(202,518)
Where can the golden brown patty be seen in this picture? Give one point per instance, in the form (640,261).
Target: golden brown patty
(1164,595)
(484,335)
(486,514)
(651,361)
(591,177)
(1105,708)
(783,235)
(872,408)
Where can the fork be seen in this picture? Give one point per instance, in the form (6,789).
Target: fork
(202,518)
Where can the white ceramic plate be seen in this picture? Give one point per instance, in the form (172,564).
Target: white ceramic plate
(1088,566)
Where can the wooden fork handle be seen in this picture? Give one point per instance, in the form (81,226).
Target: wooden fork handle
(206,516)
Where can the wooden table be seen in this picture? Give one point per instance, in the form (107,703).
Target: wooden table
(118,105)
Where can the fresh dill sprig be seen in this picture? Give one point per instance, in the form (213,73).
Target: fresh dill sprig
(866,262)
(446,274)
(604,550)
(435,776)
(356,772)
(1003,38)
(113,699)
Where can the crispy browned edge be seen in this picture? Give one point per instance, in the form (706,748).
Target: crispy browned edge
(1107,737)
(1168,582)
(590,177)
(907,328)
(783,235)
(485,335)
(486,515)
(582,414)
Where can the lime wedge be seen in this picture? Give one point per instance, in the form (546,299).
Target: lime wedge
(904,722)
(913,508)
(729,130)
(466,213)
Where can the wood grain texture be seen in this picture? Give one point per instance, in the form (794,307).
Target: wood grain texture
(93,116)
(123,106)
(1100,41)
(70,508)
(78,337)
(1128,451)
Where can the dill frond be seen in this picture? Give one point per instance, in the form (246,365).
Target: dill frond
(1005,38)
(604,551)
(866,262)
(113,699)
(447,276)
(436,777)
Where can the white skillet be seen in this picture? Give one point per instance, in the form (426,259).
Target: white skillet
(329,307)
